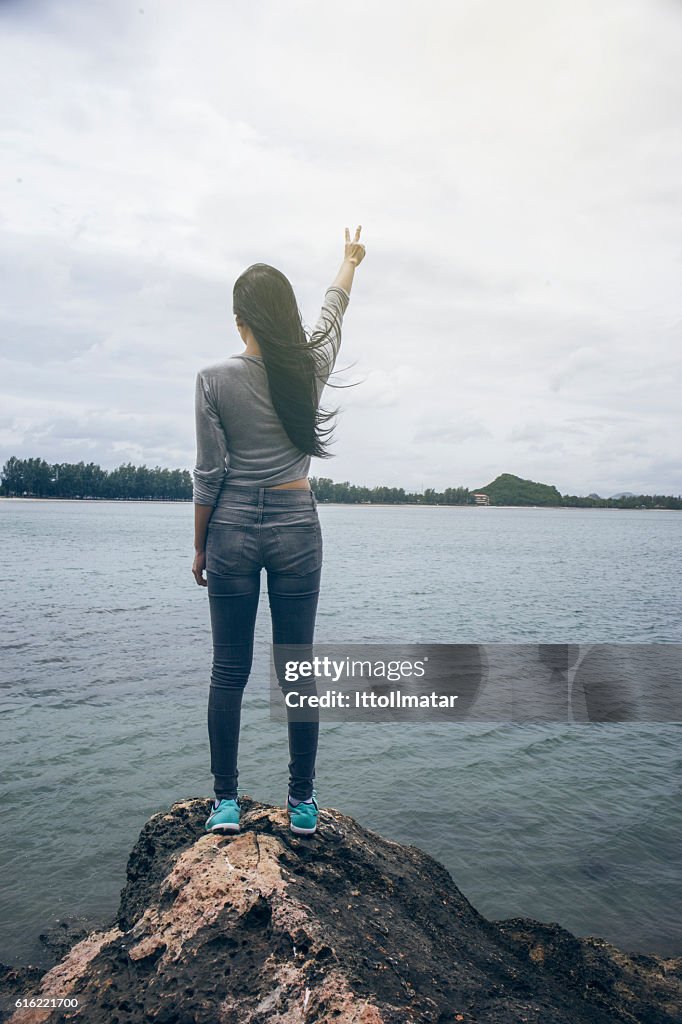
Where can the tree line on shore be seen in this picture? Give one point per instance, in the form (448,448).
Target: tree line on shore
(36,478)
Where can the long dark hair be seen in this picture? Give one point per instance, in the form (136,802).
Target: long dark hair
(264,300)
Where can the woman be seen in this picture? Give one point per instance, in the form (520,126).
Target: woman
(258,423)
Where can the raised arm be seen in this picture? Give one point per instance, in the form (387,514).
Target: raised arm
(335,303)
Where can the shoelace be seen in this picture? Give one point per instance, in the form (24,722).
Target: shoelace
(224,801)
(304,803)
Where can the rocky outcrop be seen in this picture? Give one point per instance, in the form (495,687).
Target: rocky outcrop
(265,927)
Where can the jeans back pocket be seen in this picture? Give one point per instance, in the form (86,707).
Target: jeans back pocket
(224,547)
(299,548)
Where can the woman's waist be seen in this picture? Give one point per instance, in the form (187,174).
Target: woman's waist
(302,484)
(248,495)
(254,474)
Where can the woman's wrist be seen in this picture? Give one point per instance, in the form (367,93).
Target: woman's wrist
(344,278)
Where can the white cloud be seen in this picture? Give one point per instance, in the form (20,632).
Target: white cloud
(516,168)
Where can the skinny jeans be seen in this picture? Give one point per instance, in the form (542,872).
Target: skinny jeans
(250,529)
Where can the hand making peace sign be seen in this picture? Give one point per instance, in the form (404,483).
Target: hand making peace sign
(355,250)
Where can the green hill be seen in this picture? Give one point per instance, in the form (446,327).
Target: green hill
(508,489)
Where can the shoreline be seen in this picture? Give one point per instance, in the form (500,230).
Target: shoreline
(352,504)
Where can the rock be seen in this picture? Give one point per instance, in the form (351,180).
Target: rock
(266,927)
(61,936)
(15,983)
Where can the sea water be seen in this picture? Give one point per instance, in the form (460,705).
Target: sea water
(105,651)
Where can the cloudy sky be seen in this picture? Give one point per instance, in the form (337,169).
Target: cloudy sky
(517,170)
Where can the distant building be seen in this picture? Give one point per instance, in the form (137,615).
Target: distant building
(481,499)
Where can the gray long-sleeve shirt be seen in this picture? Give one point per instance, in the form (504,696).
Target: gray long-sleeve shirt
(240,437)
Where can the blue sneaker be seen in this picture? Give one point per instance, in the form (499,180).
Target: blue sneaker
(224,816)
(303,817)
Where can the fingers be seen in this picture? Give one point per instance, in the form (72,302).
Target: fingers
(199,577)
(347,235)
(357,233)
